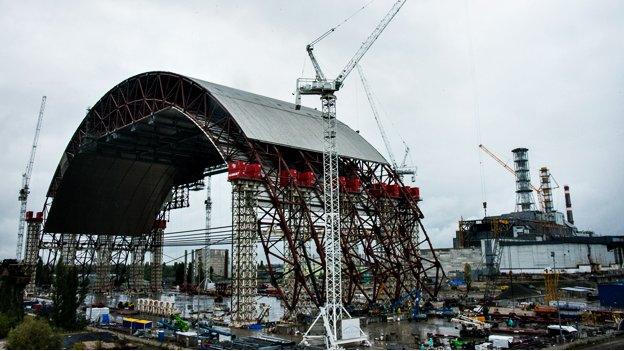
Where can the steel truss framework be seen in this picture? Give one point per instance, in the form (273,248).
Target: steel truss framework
(380,235)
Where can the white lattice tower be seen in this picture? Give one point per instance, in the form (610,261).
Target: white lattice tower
(136,267)
(31,255)
(244,269)
(102,268)
(156,260)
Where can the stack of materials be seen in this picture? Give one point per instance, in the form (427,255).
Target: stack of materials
(156,307)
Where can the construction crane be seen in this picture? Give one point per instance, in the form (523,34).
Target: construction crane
(402,169)
(206,258)
(537,190)
(25,190)
(331,313)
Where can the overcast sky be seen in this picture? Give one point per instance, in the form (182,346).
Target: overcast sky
(546,75)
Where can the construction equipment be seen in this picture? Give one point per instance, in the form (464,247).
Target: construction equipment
(412,299)
(25,190)
(537,190)
(332,312)
(492,262)
(470,323)
(402,169)
(551,283)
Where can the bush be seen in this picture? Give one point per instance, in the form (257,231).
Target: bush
(33,334)
(6,324)
(79,346)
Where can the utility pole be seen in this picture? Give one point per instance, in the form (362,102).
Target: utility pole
(25,190)
(552,254)
(332,312)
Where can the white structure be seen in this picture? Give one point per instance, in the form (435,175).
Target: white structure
(570,257)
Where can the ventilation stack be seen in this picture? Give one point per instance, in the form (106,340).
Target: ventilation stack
(546,189)
(524,193)
(566,191)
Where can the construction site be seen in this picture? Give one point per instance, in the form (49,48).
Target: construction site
(327,245)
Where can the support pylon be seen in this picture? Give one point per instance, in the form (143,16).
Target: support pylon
(244,270)
(137,260)
(33,223)
(102,268)
(157,257)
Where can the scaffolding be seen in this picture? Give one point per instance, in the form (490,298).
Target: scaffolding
(102,268)
(157,257)
(135,283)
(244,270)
(296,200)
(31,256)
(69,249)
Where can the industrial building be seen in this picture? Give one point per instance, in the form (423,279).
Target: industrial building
(536,236)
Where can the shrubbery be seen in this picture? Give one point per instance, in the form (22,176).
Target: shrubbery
(33,334)
(6,324)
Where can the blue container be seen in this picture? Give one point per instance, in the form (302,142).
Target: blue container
(161,335)
(611,295)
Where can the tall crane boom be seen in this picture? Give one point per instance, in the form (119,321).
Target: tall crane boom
(25,190)
(373,106)
(332,311)
(321,85)
(403,168)
(369,42)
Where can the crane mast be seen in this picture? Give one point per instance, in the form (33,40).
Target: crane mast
(206,253)
(25,190)
(332,311)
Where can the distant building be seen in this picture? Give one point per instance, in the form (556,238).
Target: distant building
(218,264)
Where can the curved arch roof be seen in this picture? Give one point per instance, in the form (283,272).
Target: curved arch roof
(277,122)
(144,136)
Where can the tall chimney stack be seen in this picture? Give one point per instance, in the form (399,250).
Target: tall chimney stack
(524,192)
(568,202)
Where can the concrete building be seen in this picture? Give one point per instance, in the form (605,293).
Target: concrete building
(454,260)
(219,262)
(571,255)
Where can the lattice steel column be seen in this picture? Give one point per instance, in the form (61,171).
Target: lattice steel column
(68,250)
(157,257)
(300,227)
(102,268)
(136,268)
(387,216)
(31,255)
(244,270)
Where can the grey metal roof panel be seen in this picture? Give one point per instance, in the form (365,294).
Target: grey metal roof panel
(277,122)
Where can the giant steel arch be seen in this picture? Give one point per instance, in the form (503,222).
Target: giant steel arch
(160,131)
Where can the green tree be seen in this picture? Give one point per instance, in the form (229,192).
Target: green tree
(468,276)
(33,334)
(67,295)
(189,273)
(6,324)
(13,280)
(179,273)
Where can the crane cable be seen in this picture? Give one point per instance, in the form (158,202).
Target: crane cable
(475,103)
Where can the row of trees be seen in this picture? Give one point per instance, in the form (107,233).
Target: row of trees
(42,332)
